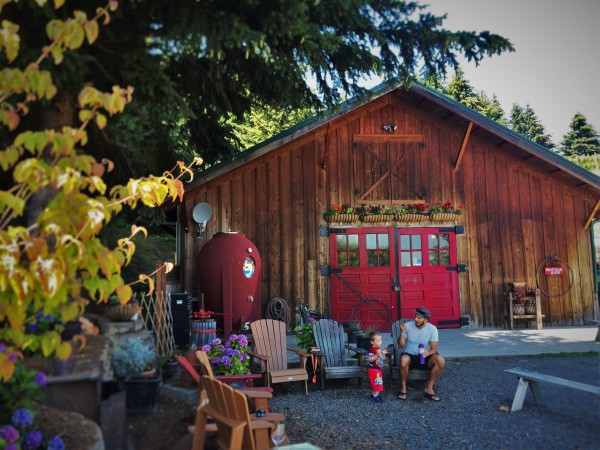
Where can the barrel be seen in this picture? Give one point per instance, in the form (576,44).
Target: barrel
(202,332)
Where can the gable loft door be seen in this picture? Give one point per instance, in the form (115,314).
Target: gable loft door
(377,271)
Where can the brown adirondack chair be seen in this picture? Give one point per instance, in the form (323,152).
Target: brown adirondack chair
(331,345)
(229,409)
(270,347)
(258,396)
(393,357)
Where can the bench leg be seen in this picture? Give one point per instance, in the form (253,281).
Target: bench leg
(517,404)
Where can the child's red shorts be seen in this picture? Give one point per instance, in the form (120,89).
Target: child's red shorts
(376,379)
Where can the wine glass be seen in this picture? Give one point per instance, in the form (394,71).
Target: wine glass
(278,434)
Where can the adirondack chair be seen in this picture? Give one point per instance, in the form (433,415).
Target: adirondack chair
(393,357)
(229,409)
(270,347)
(258,396)
(331,345)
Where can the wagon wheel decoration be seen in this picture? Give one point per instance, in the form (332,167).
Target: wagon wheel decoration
(553,263)
(372,304)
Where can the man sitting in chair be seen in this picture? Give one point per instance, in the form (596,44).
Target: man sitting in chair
(412,334)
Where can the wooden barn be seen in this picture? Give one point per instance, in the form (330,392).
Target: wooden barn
(526,217)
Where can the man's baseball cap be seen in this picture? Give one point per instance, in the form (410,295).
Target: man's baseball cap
(423,312)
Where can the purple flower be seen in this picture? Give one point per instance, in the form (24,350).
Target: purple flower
(3,347)
(233,337)
(206,348)
(11,447)
(226,360)
(31,327)
(243,341)
(22,418)
(9,433)
(244,356)
(311,320)
(33,439)
(216,341)
(56,443)
(41,379)
(13,357)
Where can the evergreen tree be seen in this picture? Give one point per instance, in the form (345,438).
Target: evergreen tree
(526,123)
(582,139)
(194,63)
(460,89)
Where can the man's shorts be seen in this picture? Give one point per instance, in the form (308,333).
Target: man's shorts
(415,361)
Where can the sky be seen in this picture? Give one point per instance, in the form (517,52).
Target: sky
(556,64)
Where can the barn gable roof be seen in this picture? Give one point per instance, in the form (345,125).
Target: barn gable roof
(441,106)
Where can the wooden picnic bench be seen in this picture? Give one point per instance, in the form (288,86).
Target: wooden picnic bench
(530,378)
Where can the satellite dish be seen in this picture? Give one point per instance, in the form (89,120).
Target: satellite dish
(202,212)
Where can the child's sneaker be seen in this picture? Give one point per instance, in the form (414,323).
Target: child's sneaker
(376,398)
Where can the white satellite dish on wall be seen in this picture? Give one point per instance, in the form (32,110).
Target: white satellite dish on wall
(201,213)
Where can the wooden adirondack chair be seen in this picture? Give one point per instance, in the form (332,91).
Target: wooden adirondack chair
(393,357)
(331,345)
(229,409)
(269,339)
(258,396)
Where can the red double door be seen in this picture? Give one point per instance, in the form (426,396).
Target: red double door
(381,274)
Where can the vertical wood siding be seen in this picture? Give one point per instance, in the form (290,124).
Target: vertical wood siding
(514,216)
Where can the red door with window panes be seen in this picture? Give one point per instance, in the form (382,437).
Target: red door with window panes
(377,271)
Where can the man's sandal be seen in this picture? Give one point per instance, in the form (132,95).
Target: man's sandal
(401,395)
(432,397)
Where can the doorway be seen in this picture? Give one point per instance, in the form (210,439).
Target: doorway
(381,274)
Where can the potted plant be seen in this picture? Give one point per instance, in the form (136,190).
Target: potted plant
(340,213)
(363,339)
(135,361)
(229,357)
(353,330)
(375,213)
(412,212)
(444,212)
(305,337)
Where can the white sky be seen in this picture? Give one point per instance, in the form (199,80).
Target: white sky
(556,64)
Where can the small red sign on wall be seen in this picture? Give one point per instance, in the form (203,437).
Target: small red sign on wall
(552,271)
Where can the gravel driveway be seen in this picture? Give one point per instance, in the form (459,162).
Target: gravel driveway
(468,417)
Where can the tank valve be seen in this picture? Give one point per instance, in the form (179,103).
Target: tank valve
(250,298)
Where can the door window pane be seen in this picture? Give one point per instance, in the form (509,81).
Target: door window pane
(444,240)
(347,250)
(404,242)
(433,241)
(405,259)
(445,257)
(378,254)
(417,259)
(416,241)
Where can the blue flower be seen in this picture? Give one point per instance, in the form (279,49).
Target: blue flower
(32,440)
(22,418)
(9,433)
(41,379)
(56,443)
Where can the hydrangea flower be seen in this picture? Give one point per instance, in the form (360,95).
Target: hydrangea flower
(9,433)
(22,418)
(56,443)
(41,379)
(32,440)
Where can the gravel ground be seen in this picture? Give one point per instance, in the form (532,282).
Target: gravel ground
(469,416)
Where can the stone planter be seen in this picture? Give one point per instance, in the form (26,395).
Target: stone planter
(143,394)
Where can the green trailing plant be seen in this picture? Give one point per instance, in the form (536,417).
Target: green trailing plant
(335,210)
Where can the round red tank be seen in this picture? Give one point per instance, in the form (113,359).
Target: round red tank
(229,278)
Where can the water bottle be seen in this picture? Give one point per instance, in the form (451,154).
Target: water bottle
(422,354)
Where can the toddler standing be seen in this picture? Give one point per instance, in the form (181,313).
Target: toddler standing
(375,369)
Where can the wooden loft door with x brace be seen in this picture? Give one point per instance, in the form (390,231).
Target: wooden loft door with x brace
(387,168)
